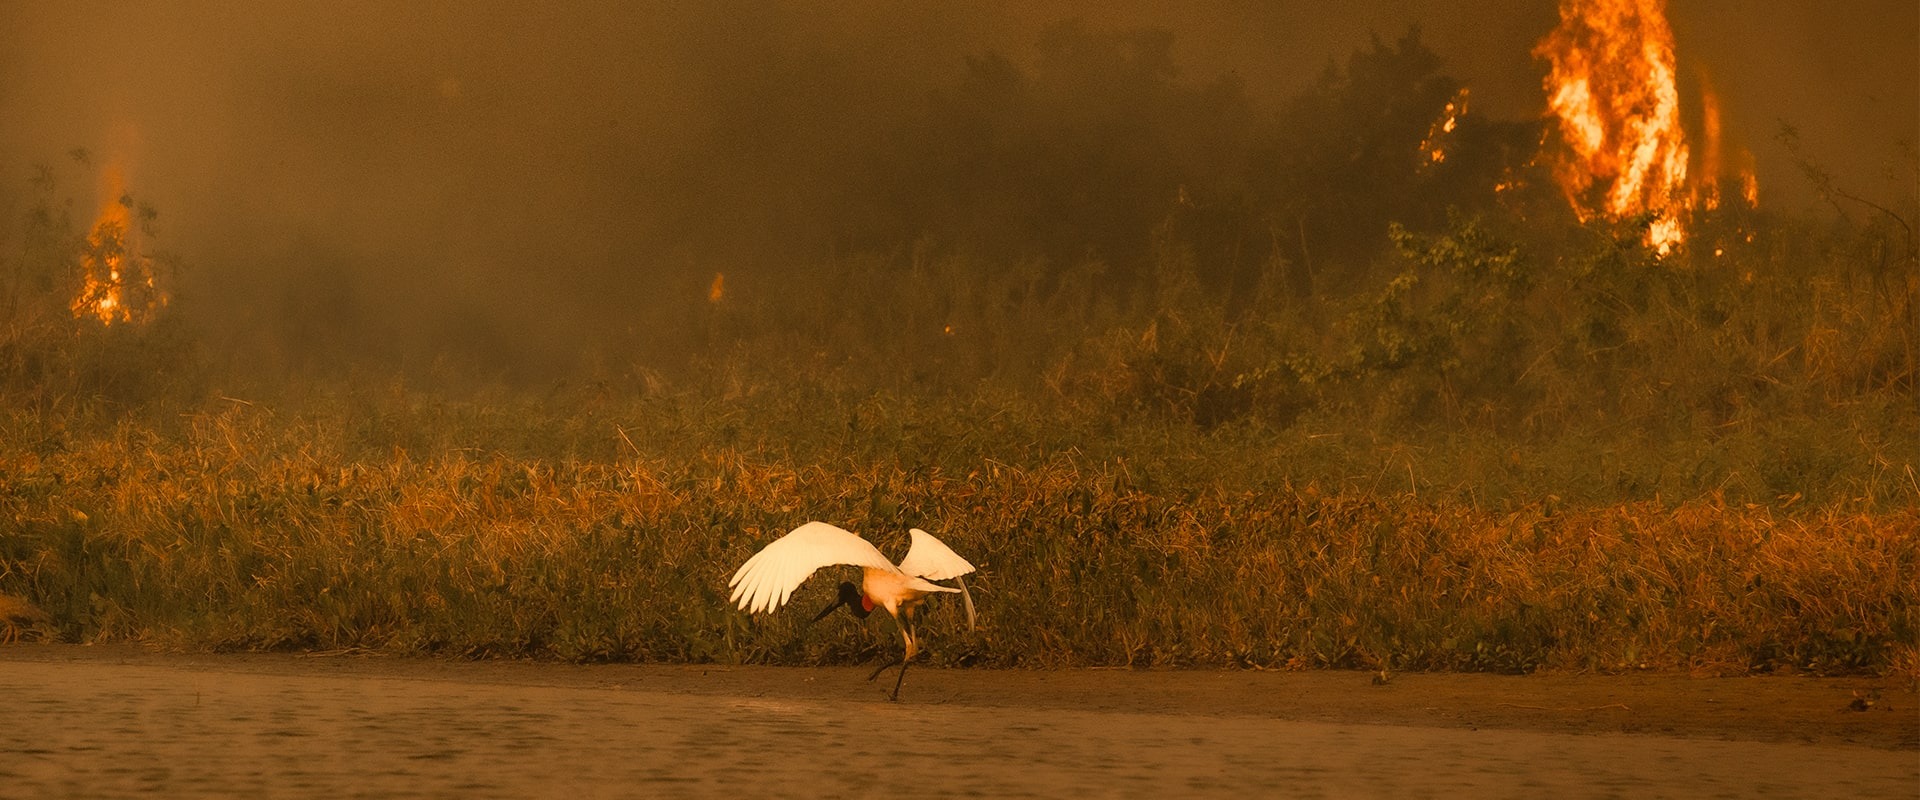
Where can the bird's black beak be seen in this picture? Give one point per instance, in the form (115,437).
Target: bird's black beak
(828,610)
(850,597)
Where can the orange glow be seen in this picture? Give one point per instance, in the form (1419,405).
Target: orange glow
(718,289)
(1610,85)
(116,282)
(1710,166)
(1435,145)
(1612,93)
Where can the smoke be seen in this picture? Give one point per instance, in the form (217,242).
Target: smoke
(529,186)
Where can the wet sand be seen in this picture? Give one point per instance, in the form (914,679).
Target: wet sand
(113,721)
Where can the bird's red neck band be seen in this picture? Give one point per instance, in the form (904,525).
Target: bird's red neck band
(866,602)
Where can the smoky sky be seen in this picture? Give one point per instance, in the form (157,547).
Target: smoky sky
(544,178)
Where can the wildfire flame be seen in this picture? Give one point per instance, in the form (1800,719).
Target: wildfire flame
(116,282)
(1612,88)
(1710,159)
(1434,146)
(1611,85)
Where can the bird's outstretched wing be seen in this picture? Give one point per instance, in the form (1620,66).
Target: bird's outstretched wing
(768,578)
(931,559)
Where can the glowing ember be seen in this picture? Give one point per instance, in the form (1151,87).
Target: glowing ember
(116,283)
(718,289)
(1434,146)
(1611,87)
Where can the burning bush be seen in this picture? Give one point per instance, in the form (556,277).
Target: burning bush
(85,306)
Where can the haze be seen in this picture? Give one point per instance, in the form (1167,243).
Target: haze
(524,186)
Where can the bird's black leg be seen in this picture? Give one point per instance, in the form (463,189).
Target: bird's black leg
(905,652)
(897,681)
(904,620)
(906,655)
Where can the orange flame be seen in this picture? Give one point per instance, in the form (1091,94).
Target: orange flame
(116,282)
(1710,145)
(1611,87)
(1434,146)
(719,288)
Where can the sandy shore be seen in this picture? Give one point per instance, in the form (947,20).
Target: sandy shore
(114,721)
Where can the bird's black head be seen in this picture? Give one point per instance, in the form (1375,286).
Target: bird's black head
(852,598)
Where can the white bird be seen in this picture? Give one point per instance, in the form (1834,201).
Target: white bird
(768,578)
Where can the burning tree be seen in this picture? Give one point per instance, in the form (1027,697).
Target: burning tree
(83,301)
(116,280)
(1612,89)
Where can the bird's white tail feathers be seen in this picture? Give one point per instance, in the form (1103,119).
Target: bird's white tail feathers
(924,585)
(968,597)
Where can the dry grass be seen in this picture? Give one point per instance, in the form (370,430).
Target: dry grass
(243,527)
(1503,446)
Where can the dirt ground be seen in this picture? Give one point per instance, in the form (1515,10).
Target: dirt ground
(117,721)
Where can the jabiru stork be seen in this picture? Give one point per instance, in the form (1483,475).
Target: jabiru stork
(768,578)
